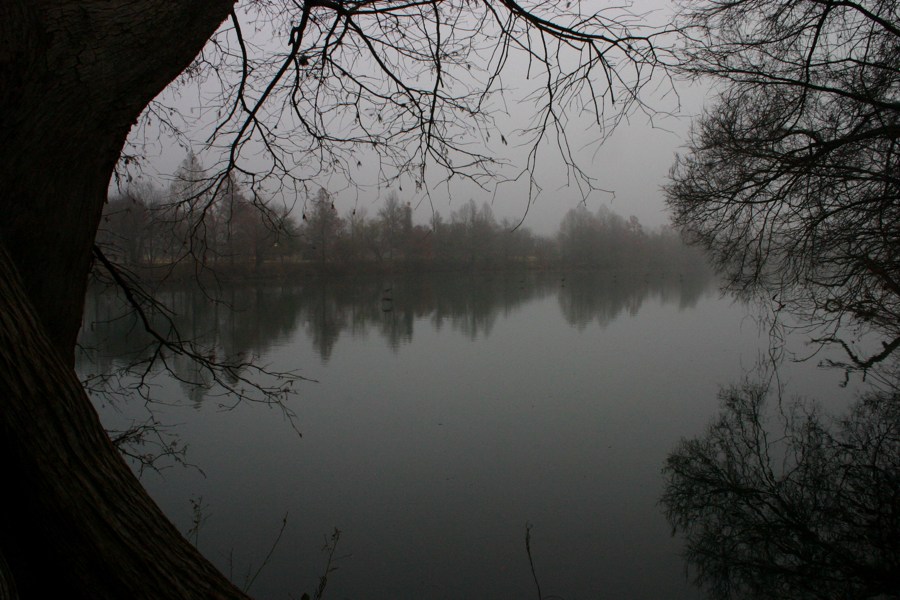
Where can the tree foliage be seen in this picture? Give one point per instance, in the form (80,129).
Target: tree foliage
(791,177)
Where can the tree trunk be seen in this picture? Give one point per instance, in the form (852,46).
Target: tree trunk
(74,76)
(76,522)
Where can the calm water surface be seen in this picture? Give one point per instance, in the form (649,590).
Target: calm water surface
(448,413)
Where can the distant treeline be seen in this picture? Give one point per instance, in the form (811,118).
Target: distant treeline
(225,230)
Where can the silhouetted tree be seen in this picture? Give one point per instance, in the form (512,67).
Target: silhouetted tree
(470,237)
(189,213)
(127,229)
(791,177)
(579,237)
(230,213)
(322,227)
(352,246)
(394,225)
(516,242)
(791,183)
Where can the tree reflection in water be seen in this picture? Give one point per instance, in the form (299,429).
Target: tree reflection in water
(241,322)
(798,506)
(238,325)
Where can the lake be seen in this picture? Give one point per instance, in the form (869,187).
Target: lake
(448,415)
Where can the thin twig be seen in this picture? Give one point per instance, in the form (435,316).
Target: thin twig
(531,560)
(268,556)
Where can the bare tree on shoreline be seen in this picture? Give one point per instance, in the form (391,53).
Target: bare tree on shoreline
(74,77)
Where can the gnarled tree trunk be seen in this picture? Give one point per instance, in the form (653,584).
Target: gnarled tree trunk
(74,76)
(76,522)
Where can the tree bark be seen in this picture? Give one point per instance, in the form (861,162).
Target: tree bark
(74,76)
(76,523)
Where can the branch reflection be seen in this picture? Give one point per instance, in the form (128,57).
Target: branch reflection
(795,505)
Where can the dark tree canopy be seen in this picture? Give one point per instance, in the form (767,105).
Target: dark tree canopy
(792,177)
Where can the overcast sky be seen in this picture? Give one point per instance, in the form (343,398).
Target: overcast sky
(632,165)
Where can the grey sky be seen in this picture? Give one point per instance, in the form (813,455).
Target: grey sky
(632,164)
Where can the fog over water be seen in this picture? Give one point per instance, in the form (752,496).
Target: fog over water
(448,413)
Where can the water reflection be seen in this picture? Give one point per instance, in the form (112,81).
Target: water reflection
(241,323)
(805,509)
(603,296)
(450,411)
